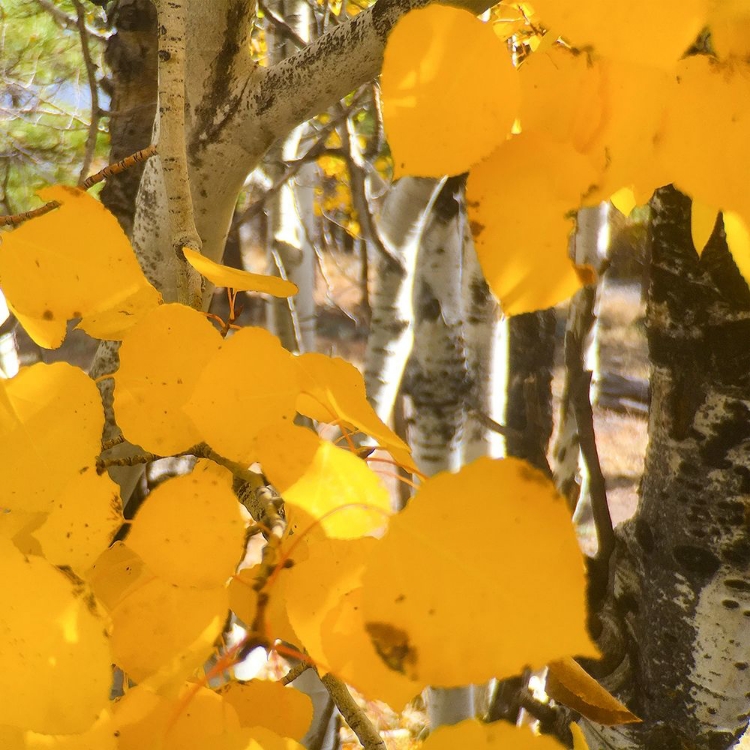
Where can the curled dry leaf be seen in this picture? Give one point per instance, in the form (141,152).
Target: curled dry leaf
(569,683)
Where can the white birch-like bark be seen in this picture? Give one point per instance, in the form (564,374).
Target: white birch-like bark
(674,621)
(288,244)
(400,226)
(485,338)
(437,372)
(591,244)
(437,380)
(169,135)
(9,362)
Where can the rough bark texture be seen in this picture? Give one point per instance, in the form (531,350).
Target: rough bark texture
(528,411)
(131,58)
(681,579)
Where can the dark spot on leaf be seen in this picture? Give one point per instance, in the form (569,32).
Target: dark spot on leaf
(392,645)
(48,315)
(476,228)
(730,604)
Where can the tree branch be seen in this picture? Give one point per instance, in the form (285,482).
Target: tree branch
(83,33)
(322,73)
(64,20)
(172,21)
(353,715)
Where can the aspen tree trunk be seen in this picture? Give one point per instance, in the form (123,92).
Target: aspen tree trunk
(591,244)
(289,244)
(437,380)
(486,352)
(131,57)
(400,225)
(528,408)
(674,620)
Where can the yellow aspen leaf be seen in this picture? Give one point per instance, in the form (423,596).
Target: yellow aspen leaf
(730,29)
(74,262)
(102,735)
(51,422)
(624,201)
(263,703)
(519,204)
(738,239)
(159,626)
(190,530)
(234,278)
(704,145)
(561,96)
(286,451)
(340,491)
(141,718)
(160,360)
(639,31)
(351,656)
(453,624)
(507,20)
(251,383)
(315,586)
(579,740)
(333,390)
(440,113)
(624,146)
(498,735)
(192,718)
(85,517)
(570,684)
(200,721)
(47,333)
(115,572)
(55,671)
(112,323)
(261,738)
(702,223)
(243,599)
(12,738)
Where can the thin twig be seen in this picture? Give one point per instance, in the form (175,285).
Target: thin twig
(353,715)
(120,166)
(494,426)
(172,21)
(102,464)
(578,393)
(112,442)
(295,672)
(355,166)
(16,219)
(319,148)
(109,171)
(280,25)
(65,20)
(83,33)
